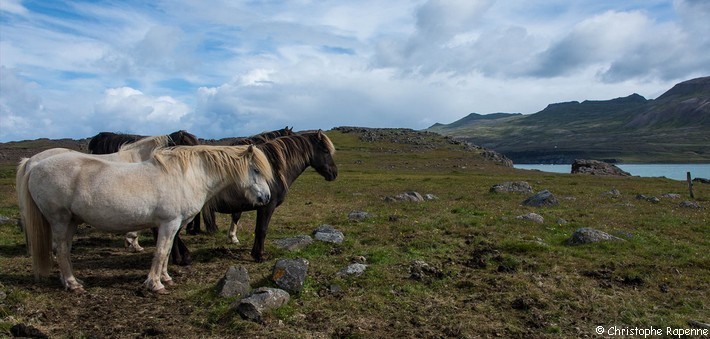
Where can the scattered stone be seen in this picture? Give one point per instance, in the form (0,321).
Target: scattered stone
(290,274)
(534,217)
(587,235)
(670,196)
(542,198)
(406,196)
(359,215)
(5,220)
(512,187)
(614,193)
(295,243)
(260,301)
(235,282)
(561,221)
(596,167)
(430,196)
(328,234)
(649,199)
(623,234)
(359,259)
(26,331)
(689,204)
(355,269)
(420,270)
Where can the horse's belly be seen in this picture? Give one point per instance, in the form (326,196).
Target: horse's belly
(116,220)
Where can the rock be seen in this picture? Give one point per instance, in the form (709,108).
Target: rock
(561,221)
(649,199)
(328,234)
(512,187)
(420,270)
(542,198)
(235,282)
(587,235)
(408,196)
(290,274)
(670,196)
(430,196)
(26,331)
(355,269)
(689,204)
(534,217)
(614,193)
(295,243)
(5,220)
(359,215)
(596,167)
(260,301)
(358,259)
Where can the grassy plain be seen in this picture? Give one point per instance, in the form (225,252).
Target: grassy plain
(492,274)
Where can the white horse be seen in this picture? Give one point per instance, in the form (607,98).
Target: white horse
(139,151)
(165,191)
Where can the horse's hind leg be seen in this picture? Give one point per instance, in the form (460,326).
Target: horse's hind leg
(62,235)
(233,228)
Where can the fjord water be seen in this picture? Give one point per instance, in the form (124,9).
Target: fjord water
(670,171)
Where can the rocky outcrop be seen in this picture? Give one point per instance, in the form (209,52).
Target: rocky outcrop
(596,167)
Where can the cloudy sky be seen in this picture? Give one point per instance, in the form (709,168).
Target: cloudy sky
(220,68)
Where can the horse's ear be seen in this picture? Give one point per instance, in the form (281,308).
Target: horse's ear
(250,150)
(320,134)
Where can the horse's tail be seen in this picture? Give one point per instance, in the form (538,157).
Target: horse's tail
(208,215)
(19,186)
(37,229)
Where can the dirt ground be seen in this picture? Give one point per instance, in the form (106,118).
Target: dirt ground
(115,305)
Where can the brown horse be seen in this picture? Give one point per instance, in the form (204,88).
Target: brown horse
(211,227)
(289,156)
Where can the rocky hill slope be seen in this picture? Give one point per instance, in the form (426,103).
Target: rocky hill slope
(675,127)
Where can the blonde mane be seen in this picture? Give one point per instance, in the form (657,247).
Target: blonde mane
(150,142)
(224,161)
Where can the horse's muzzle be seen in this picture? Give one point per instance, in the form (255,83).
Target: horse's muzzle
(263,199)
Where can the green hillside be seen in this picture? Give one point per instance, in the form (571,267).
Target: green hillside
(675,127)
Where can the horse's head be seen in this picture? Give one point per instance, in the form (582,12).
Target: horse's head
(183,138)
(259,176)
(323,150)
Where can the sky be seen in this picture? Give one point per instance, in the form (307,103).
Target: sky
(225,68)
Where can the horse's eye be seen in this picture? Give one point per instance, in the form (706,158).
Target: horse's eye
(257,171)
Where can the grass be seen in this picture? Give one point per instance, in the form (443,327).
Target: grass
(497,275)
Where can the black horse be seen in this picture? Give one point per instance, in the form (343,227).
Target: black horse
(289,157)
(109,142)
(193,227)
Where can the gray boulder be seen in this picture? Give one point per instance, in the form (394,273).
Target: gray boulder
(534,217)
(235,282)
(290,274)
(359,215)
(355,269)
(595,167)
(512,187)
(689,204)
(542,198)
(328,234)
(294,243)
(587,235)
(260,301)
(406,196)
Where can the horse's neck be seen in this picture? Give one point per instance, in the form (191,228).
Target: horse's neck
(293,171)
(135,154)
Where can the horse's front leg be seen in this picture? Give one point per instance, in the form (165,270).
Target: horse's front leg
(62,235)
(159,269)
(263,217)
(233,228)
(132,242)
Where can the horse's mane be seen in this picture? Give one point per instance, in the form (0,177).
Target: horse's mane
(150,142)
(263,137)
(225,161)
(294,151)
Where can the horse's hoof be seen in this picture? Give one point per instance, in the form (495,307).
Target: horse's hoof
(169,282)
(77,290)
(162,291)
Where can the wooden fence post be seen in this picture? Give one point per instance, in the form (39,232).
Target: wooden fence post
(690,186)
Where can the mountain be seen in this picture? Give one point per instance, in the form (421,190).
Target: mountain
(675,127)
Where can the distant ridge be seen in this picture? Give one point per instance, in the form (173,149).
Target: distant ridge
(675,127)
